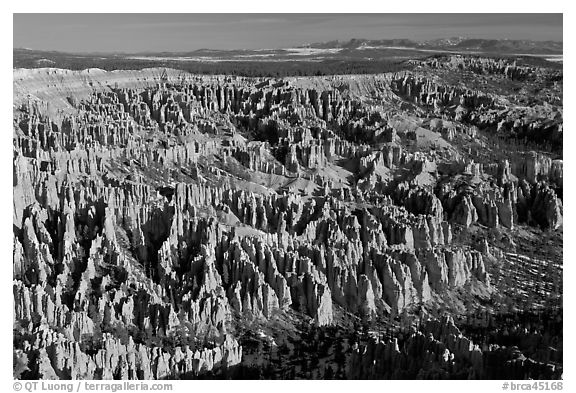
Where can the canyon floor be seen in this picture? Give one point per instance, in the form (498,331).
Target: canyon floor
(401,225)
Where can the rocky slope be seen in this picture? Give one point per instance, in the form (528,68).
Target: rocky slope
(157,214)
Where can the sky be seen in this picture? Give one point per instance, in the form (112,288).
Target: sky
(187,32)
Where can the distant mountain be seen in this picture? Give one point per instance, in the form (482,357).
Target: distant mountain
(452,44)
(509,46)
(358,43)
(346,53)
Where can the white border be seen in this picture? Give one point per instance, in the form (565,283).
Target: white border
(303,6)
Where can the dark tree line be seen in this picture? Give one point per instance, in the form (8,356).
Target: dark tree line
(26,59)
